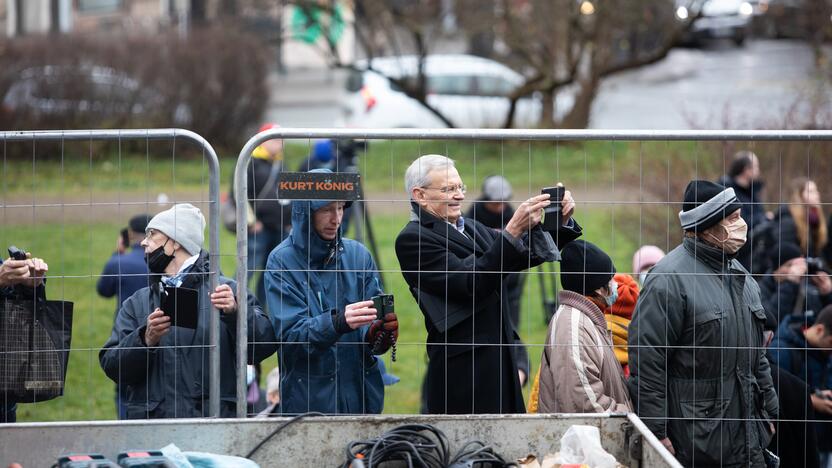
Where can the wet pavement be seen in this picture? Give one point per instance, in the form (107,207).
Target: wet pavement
(721,86)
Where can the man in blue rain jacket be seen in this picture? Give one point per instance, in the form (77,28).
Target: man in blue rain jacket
(319,288)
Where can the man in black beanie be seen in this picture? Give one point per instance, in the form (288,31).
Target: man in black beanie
(699,375)
(579,372)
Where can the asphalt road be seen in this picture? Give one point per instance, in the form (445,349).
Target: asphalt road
(720,86)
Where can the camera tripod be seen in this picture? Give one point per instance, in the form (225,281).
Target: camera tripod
(347,161)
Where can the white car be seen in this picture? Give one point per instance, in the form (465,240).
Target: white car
(716,19)
(470,91)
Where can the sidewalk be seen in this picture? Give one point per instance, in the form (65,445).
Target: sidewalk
(305,97)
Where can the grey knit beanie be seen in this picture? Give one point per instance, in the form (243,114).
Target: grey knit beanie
(183,223)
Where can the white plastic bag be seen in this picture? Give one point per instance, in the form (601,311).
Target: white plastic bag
(582,444)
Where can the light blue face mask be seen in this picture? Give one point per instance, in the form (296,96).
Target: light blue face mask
(614,296)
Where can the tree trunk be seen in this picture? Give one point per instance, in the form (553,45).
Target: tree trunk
(547,114)
(578,116)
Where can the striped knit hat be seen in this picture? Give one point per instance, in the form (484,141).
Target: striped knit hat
(706,204)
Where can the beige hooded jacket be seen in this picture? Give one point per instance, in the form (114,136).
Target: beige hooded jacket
(579,372)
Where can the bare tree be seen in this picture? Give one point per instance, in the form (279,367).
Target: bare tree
(560,43)
(552,43)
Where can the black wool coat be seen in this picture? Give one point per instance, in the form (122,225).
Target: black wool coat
(459,281)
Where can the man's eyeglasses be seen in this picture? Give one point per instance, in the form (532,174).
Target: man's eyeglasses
(461,188)
(151,233)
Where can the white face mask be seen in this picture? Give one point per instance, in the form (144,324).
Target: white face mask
(734,236)
(642,277)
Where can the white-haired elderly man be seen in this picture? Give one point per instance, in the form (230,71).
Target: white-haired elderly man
(457,269)
(165,367)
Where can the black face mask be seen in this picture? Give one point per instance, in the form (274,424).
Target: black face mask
(158,260)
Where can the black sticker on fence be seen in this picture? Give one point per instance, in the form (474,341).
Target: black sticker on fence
(319,186)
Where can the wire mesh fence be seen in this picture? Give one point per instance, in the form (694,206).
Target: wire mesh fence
(463,287)
(491,317)
(67,196)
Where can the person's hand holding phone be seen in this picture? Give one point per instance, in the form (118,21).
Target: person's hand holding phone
(822,281)
(158,325)
(359,314)
(13,272)
(822,401)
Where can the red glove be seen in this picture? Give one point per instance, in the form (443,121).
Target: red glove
(383,334)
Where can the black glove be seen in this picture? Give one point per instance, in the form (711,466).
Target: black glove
(339,320)
(383,334)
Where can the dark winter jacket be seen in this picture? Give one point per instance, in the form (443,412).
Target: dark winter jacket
(699,374)
(790,351)
(795,441)
(123,275)
(274,214)
(785,298)
(172,379)
(307,279)
(459,282)
(786,231)
(514,282)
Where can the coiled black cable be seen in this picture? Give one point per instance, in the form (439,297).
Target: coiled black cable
(418,445)
(476,454)
(421,446)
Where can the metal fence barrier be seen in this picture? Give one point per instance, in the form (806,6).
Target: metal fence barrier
(210,158)
(233,436)
(457,135)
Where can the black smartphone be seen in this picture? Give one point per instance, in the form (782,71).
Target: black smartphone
(383,304)
(181,305)
(552,217)
(17,254)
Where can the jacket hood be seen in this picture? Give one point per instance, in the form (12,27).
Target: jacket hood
(304,237)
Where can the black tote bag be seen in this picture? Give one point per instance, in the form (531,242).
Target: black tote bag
(35,338)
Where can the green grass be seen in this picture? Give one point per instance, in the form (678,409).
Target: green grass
(76,247)
(76,171)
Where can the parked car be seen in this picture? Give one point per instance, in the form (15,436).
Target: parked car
(716,19)
(470,91)
(94,92)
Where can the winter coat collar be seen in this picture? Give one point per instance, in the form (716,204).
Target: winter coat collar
(580,302)
(191,276)
(713,257)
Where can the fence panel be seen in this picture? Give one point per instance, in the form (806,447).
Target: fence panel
(74,180)
(629,188)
